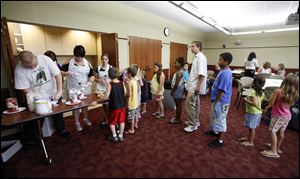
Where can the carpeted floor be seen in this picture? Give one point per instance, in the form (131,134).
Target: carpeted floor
(159,149)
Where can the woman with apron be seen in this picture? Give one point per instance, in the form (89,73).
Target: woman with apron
(80,75)
(103,80)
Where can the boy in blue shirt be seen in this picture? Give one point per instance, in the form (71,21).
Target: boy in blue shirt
(220,98)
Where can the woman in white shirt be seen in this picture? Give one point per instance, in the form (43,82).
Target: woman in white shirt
(250,65)
(80,73)
(103,80)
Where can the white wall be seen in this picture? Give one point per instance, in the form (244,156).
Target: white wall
(276,47)
(103,17)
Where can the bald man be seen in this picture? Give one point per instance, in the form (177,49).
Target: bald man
(38,73)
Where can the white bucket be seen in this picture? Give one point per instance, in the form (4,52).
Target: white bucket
(42,107)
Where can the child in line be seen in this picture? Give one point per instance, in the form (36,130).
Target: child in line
(157,89)
(177,91)
(115,92)
(140,84)
(132,86)
(253,110)
(186,74)
(144,94)
(220,98)
(281,100)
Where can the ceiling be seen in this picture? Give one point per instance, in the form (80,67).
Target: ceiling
(236,16)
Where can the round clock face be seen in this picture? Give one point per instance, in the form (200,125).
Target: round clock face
(166,31)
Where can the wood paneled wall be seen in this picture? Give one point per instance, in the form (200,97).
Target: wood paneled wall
(177,50)
(145,53)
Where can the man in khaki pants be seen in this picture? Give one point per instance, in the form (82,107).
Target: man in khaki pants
(195,86)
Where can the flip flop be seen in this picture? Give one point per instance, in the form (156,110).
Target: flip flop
(155,114)
(174,121)
(269,154)
(242,139)
(127,132)
(246,144)
(160,116)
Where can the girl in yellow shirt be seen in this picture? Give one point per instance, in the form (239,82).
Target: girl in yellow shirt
(157,89)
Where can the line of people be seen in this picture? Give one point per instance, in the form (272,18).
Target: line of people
(126,93)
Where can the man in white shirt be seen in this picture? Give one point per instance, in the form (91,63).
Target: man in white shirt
(195,86)
(38,73)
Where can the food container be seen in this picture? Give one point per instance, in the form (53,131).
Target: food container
(12,104)
(42,107)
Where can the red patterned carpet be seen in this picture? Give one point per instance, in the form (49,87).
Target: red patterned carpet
(159,149)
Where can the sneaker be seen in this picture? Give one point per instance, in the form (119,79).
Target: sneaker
(190,128)
(65,134)
(121,139)
(113,139)
(87,121)
(216,144)
(78,126)
(211,133)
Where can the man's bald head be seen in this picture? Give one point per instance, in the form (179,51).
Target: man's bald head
(28,59)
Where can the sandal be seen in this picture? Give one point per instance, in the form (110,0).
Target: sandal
(246,144)
(243,139)
(156,113)
(269,154)
(160,116)
(129,132)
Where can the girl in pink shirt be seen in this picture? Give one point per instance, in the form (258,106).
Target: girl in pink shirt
(281,100)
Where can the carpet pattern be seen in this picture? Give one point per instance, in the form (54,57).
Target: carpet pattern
(159,149)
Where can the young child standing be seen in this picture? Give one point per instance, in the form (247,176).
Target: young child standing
(253,110)
(133,99)
(220,98)
(157,89)
(115,92)
(144,95)
(281,100)
(177,91)
(186,74)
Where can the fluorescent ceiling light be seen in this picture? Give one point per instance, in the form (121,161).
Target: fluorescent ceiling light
(177,2)
(244,33)
(192,10)
(222,29)
(280,30)
(209,20)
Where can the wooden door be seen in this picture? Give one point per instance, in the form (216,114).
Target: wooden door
(176,50)
(109,43)
(145,53)
(10,60)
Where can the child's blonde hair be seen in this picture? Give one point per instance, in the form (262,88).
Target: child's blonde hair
(290,88)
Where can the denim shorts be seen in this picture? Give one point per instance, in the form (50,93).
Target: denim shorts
(218,117)
(178,94)
(252,121)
